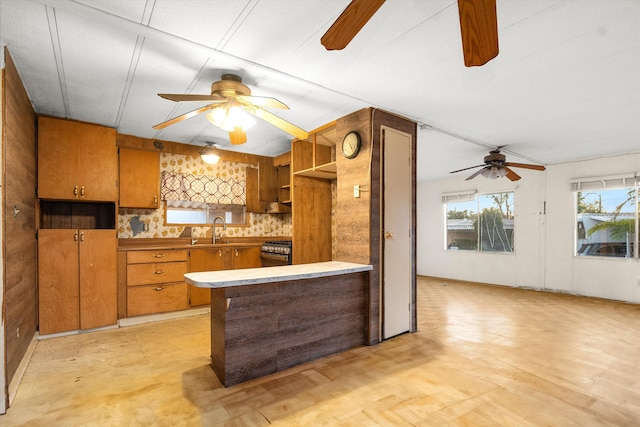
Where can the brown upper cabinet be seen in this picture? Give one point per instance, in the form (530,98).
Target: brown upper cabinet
(76,161)
(263,189)
(139,179)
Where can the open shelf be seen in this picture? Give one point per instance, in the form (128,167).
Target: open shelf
(325,171)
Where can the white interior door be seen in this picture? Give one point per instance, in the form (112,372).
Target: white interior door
(396,287)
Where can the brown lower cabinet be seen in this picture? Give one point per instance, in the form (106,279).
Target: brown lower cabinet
(155,281)
(77,279)
(212,259)
(155,278)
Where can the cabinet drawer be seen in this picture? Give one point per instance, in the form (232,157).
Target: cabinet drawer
(157,272)
(139,257)
(156,299)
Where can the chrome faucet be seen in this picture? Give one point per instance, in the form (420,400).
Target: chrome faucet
(213,228)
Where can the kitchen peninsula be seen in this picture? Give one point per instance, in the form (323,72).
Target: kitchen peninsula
(264,320)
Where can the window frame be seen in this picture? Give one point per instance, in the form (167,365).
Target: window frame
(450,199)
(603,250)
(208,215)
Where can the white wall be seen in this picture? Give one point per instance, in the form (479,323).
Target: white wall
(544,243)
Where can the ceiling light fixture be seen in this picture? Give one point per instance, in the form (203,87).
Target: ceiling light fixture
(229,117)
(209,153)
(494,172)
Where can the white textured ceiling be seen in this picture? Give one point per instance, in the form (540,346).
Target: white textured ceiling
(564,87)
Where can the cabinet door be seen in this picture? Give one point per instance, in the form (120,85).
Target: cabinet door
(205,260)
(58,159)
(98,163)
(76,161)
(246,258)
(58,284)
(98,290)
(254,204)
(139,179)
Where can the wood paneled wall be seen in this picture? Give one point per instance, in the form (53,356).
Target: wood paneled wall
(19,230)
(358,220)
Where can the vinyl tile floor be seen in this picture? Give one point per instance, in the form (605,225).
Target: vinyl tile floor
(483,356)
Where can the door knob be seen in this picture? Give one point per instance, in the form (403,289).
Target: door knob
(388,235)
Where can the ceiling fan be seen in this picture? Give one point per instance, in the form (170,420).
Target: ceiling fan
(478,25)
(496,166)
(230,100)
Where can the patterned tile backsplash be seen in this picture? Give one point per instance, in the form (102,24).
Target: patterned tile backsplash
(149,223)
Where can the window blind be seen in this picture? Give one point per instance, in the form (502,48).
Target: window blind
(603,182)
(203,188)
(461,196)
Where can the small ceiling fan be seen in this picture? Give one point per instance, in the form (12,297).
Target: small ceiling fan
(496,166)
(478,25)
(230,98)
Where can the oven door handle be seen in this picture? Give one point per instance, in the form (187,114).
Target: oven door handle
(275,257)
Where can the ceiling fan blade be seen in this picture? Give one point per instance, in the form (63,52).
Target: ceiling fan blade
(349,23)
(479,28)
(263,101)
(177,97)
(511,174)
(182,117)
(275,120)
(478,172)
(525,166)
(465,169)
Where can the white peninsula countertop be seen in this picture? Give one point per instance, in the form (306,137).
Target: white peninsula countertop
(254,276)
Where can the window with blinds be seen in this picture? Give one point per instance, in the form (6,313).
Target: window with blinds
(479,222)
(606,216)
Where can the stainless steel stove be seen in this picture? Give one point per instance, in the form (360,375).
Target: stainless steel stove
(277,252)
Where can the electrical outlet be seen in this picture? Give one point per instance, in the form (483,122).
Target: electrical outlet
(356,191)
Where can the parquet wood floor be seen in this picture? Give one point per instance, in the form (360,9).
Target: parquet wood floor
(483,356)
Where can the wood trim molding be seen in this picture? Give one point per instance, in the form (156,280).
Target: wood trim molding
(161,146)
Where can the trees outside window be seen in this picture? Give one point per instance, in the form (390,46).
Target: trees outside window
(606,222)
(484,223)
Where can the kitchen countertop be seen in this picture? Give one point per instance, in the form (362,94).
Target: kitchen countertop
(147,247)
(184,243)
(253,276)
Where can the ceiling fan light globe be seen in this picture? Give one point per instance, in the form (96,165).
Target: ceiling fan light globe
(218,117)
(494,173)
(228,118)
(237,117)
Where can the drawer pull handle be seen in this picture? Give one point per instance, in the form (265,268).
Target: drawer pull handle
(158,256)
(158,272)
(158,289)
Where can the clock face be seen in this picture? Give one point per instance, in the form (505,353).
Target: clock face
(351,145)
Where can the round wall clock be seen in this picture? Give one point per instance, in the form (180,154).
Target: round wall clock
(351,145)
